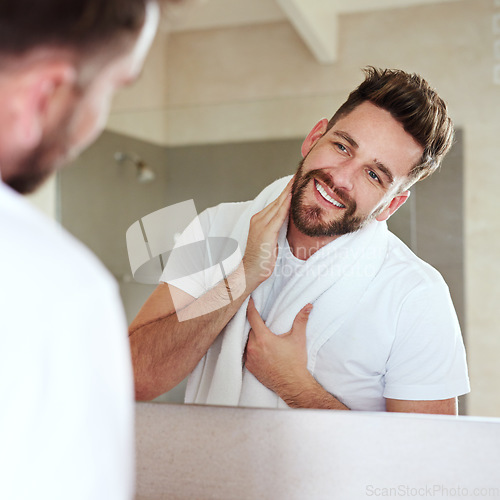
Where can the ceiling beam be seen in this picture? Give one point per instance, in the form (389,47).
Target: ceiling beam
(316,21)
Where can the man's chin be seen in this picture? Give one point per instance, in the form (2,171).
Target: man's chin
(310,222)
(27,184)
(36,169)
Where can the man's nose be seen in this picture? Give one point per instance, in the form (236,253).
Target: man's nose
(343,175)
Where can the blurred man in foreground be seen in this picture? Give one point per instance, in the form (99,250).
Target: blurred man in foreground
(66,424)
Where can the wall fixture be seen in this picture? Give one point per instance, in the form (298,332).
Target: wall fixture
(144,172)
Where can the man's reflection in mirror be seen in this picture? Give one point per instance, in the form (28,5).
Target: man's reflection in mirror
(325,308)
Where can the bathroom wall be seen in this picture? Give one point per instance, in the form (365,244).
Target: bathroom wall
(100,198)
(45,198)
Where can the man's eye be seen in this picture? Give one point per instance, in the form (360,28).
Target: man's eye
(341,147)
(373,175)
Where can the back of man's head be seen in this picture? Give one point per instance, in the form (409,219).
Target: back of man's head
(73,24)
(60,63)
(411,101)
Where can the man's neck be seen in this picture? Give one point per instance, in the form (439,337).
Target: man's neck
(303,246)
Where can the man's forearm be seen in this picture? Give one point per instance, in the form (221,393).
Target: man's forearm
(166,350)
(309,394)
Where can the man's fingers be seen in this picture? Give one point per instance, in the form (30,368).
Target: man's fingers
(285,193)
(256,322)
(284,207)
(279,205)
(278,212)
(260,254)
(300,321)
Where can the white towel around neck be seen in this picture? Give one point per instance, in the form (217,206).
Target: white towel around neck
(333,280)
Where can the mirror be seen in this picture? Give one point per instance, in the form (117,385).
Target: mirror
(236,96)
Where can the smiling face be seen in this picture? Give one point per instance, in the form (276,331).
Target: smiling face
(353,173)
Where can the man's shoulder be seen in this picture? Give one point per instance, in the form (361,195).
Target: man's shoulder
(404,266)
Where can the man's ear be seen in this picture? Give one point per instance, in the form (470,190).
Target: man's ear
(313,136)
(396,202)
(40,98)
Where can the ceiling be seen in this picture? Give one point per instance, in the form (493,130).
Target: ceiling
(316,21)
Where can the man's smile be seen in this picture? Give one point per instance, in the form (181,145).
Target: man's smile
(325,196)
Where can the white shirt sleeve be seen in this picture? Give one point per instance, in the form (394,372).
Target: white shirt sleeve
(204,254)
(189,264)
(427,359)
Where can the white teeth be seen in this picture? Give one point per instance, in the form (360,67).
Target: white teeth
(326,196)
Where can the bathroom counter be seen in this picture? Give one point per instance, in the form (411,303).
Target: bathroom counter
(204,452)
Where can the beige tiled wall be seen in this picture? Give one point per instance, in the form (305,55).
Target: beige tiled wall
(45,198)
(261,82)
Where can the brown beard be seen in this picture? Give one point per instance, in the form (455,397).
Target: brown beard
(309,219)
(38,165)
(29,178)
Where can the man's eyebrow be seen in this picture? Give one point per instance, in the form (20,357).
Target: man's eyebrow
(346,137)
(380,166)
(385,171)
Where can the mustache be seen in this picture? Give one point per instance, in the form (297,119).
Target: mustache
(326,179)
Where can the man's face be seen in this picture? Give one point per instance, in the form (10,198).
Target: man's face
(353,173)
(84,118)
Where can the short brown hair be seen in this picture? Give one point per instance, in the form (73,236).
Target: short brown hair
(74,24)
(412,102)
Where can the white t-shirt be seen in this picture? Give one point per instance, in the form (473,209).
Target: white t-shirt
(401,341)
(287,265)
(66,392)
